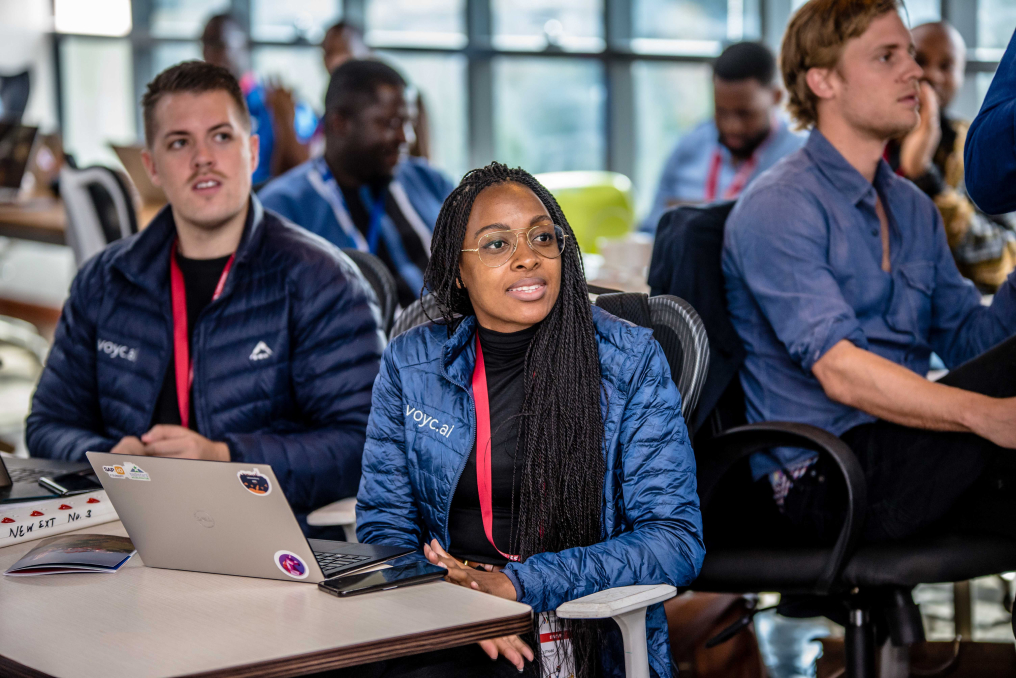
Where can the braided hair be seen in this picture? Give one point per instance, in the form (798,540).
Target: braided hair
(561,428)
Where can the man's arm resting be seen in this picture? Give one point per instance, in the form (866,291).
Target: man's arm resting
(868,382)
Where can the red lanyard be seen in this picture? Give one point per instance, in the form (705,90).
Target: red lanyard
(740,179)
(181,336)
(483,445)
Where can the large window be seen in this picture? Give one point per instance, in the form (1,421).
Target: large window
(549,114)
(670,99)
(546,84)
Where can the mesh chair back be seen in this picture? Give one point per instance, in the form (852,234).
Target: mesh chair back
(99,210)
(680,332)
(380,280)
(417,313)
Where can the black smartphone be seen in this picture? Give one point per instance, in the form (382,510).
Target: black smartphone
(382,580)
(69,484)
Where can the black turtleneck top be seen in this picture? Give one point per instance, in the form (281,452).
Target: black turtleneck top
(504,357)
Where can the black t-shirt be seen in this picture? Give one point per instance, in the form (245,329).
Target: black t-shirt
(201,277)
(504,357)
(411,242)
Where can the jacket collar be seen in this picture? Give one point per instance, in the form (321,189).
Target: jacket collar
(459,354)
(145,261)
(842,174)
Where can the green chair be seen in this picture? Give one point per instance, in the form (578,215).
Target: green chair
(596,204)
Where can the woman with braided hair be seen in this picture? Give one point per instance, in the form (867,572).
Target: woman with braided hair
(528,442)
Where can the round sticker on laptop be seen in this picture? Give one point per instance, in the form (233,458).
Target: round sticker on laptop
(291,564)
(255,482)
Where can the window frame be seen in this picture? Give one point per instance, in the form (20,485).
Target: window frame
(618,54)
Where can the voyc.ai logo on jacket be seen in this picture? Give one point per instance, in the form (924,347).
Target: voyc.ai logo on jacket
(260,352)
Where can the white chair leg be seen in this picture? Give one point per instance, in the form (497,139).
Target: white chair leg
(350,529)
(636,653)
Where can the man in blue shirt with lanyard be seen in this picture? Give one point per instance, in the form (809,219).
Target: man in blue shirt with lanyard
(220,331)
(720,157)
(363,193)
(840,283)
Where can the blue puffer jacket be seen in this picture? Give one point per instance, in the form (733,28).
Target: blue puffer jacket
(652,529)
(302,409)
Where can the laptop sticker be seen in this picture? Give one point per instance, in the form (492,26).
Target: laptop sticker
(291,564)
(115,471)
(254,482)
(135,472)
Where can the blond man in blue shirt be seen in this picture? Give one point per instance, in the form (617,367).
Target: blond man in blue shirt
(840,283)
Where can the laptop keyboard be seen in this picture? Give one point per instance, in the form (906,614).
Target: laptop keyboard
(27,475)
(333,563)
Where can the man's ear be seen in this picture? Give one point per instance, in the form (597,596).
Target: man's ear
(149,162)
(255,156)
(820,82)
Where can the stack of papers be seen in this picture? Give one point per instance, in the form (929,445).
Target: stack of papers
(75,553)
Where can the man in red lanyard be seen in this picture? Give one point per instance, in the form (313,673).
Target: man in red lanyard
(717,159)
(220,331)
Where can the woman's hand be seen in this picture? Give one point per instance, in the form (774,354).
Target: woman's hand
(490,581)
(495,583)
(510,647)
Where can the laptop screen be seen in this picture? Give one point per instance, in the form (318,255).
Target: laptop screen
(15,151)
(5,478)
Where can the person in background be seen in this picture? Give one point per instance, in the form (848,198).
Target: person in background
(990,153)
(553,389)
(840,283)
(220,331)
(284,125)
(720,157)
(344,41)
(363,193)
(931,156)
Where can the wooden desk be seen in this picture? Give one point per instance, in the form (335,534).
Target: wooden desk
(41,220)
(149,622)
(45,220)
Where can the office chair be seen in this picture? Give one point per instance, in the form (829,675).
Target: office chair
(381,281)
(99,209)
(681,334)
(14,90)
(867,587)
(420,311)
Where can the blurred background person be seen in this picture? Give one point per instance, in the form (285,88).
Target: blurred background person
(363,193)
(931,156)
(720,157)
(284,125)
(344,41)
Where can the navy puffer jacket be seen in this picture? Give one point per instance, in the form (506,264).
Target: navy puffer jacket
(652,528)
(302,409)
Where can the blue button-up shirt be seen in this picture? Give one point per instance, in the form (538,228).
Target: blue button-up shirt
(687,169)
(802,260)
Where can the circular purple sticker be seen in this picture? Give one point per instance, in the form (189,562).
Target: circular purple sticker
(291,564)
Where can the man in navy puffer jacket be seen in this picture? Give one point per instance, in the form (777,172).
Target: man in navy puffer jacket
(284,350)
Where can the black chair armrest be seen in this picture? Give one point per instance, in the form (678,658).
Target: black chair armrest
(717,455)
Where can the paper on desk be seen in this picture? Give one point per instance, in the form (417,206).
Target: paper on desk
(74,553)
